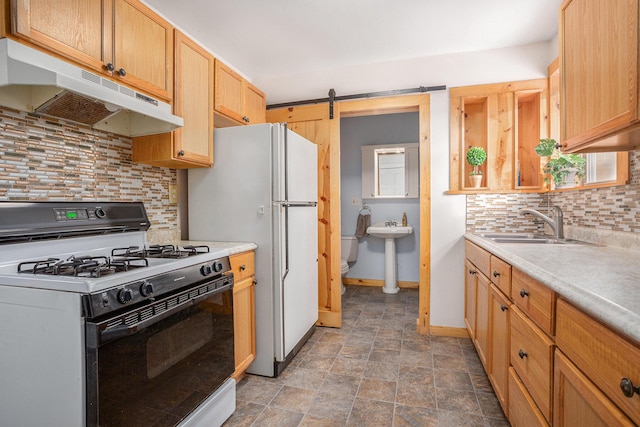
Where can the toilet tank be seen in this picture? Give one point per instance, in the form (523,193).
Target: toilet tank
(349,248)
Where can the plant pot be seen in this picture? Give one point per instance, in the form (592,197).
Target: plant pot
(569,180)
(475,180)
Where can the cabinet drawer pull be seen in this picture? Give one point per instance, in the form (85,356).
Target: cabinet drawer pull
(503,307)
(181,153)
(495,273)
(243,267)
(522,354)
(524,293)
(472,272)
(627,387)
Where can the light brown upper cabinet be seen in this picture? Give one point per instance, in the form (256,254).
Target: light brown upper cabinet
(122,39)
(599,72)
(237,101)
(507,120)
(602,169)
(192,144)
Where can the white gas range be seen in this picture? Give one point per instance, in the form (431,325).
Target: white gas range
(98,328)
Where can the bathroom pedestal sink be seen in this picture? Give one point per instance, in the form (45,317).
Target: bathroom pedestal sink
(390,233)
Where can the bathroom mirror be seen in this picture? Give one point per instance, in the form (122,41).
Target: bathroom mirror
(390,171)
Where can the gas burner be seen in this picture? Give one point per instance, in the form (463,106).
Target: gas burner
(82,266)
(160,251)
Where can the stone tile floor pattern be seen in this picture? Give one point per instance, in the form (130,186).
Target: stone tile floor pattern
(374,371)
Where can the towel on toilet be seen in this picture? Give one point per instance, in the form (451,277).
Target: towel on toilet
(364,221)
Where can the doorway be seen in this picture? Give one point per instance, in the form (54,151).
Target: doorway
(321,124)
(409,104)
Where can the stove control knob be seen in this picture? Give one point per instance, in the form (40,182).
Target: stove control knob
(100,213)
(146,289)
(206,270)
(217,266)
(125,295)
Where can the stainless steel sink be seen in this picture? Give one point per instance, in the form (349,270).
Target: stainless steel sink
(514,236)
(529,238)
(529,241)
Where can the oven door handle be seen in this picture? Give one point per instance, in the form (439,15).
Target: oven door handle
(121,331)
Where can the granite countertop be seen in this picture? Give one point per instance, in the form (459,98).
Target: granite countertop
(604,281)
(231,247)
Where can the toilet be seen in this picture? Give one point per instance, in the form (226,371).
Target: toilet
(348,253)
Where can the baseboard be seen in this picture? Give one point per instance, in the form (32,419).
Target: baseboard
(447,331)
(378,283)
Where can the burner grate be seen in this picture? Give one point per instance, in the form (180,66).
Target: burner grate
(160,251)
(82,266)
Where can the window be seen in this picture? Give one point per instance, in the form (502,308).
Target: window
(600,167)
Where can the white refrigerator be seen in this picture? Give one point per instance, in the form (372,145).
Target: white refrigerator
(263,188)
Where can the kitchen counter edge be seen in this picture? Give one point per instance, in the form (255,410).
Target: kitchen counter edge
(623,319)
(231,247)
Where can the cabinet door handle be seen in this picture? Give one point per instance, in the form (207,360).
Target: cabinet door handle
(110,67)
(522,354)
(503,307)
(243,267)
(122,72)
(472,272)
(255,282)
(181,153)
(628,388)
(495,273)
(524,293)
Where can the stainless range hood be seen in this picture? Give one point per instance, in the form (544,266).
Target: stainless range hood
(33,81)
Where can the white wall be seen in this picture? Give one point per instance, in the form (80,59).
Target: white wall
(447,212)
(377,130)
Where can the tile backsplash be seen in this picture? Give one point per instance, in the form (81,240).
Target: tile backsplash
(499,212)
(612,209)
(46,159)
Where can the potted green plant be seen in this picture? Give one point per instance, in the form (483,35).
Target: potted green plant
(565,170)
(476,156)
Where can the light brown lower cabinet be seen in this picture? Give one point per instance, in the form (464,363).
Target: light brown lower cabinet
(499,345)
(244,327)
(532,359)
(482,319)
(609,360)
(522,409)
(549,362)
(470,292)
(578,402)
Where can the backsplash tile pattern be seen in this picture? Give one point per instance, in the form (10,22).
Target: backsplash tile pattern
(612,208)
(43,159)
(499,213)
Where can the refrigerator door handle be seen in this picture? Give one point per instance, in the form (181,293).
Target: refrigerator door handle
(298,204)
(286,240)
(286,163)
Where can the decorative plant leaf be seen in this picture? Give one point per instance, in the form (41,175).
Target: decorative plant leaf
(559,165)
(476,156)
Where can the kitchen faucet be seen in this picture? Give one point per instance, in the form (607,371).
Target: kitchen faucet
(555,223)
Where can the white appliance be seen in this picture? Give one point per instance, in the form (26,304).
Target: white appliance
(99,328)
(263,188)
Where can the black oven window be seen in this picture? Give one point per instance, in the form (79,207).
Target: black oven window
(160,374)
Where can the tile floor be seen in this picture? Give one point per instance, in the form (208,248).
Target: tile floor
(374,371)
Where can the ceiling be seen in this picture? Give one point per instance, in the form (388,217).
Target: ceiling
(264,39)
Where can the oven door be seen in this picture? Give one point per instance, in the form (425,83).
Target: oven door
(157,363)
